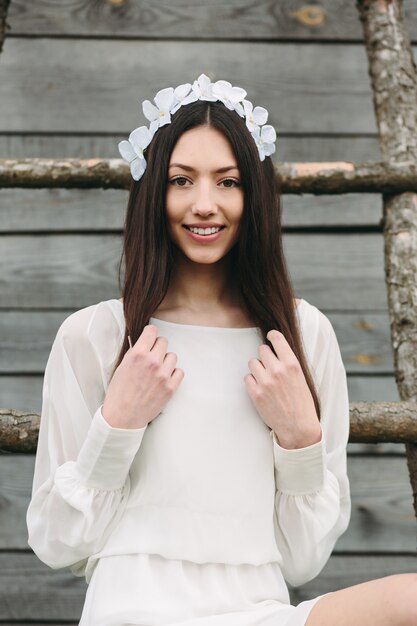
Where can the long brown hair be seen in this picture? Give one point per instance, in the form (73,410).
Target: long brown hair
(257,259)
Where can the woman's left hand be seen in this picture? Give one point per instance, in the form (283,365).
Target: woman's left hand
(279,391)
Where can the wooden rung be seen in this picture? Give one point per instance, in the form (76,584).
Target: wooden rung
(370,422)
(316,178)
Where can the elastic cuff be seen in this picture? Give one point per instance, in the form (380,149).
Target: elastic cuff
(302,470)
(107,453)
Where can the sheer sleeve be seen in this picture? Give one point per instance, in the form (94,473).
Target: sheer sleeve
(81,478)
(312,500)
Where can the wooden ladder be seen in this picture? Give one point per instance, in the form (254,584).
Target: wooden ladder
(394,83)
(394,86)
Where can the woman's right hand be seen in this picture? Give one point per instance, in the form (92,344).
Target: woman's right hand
(143,383)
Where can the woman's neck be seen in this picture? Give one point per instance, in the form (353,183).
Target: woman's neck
(201,286)
(204,294)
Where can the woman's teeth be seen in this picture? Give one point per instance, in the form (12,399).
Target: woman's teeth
(204,231)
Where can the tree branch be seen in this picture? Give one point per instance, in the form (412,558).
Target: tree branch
(4,7)
(370,422)
(394,85)
(296,178)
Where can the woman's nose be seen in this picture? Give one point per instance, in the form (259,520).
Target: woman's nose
(204,201)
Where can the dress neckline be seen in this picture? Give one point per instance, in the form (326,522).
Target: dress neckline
(219,328)
(248,329)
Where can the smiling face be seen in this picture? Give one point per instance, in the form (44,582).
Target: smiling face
(204,192)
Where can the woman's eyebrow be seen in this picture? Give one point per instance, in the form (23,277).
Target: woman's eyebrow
(191,169)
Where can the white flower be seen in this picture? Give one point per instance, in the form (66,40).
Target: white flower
(264,139)
(254,116)
(132,150)
(168,101)
(159,115)
(230,96)
(203,88)
(183,95)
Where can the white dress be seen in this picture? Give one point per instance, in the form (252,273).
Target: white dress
(199,518)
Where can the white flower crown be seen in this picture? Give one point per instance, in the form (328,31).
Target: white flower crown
(169,100)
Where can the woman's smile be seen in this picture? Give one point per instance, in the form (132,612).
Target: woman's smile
(204,234)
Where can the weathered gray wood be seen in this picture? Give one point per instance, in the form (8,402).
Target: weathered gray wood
(69,210)
(22,392)
(377,449)
(351,263)
(364,342)
(376,388)
(335,271)
(350,210)
(347,570)
(291,148)
(295,178)
(59,271)
(27,337)
(237,19)
(16,476)
(78,210)
(36,592)
(304,90)
(382,513)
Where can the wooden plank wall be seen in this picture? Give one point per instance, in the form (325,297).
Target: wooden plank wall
(72,77)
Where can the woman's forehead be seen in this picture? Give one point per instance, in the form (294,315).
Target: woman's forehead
(203,146)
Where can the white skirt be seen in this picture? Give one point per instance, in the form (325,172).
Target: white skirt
(149,590)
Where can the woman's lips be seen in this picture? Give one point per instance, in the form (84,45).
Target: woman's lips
(203,238)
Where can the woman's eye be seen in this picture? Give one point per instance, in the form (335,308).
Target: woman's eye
(231,180)
(174,180)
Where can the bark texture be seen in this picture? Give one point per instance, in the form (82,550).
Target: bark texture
(296,178)
(4,7)
(393,75)
(65,173)
(383,422)
(370,422)
(18,431)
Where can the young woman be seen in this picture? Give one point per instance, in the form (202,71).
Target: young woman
(192,448)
